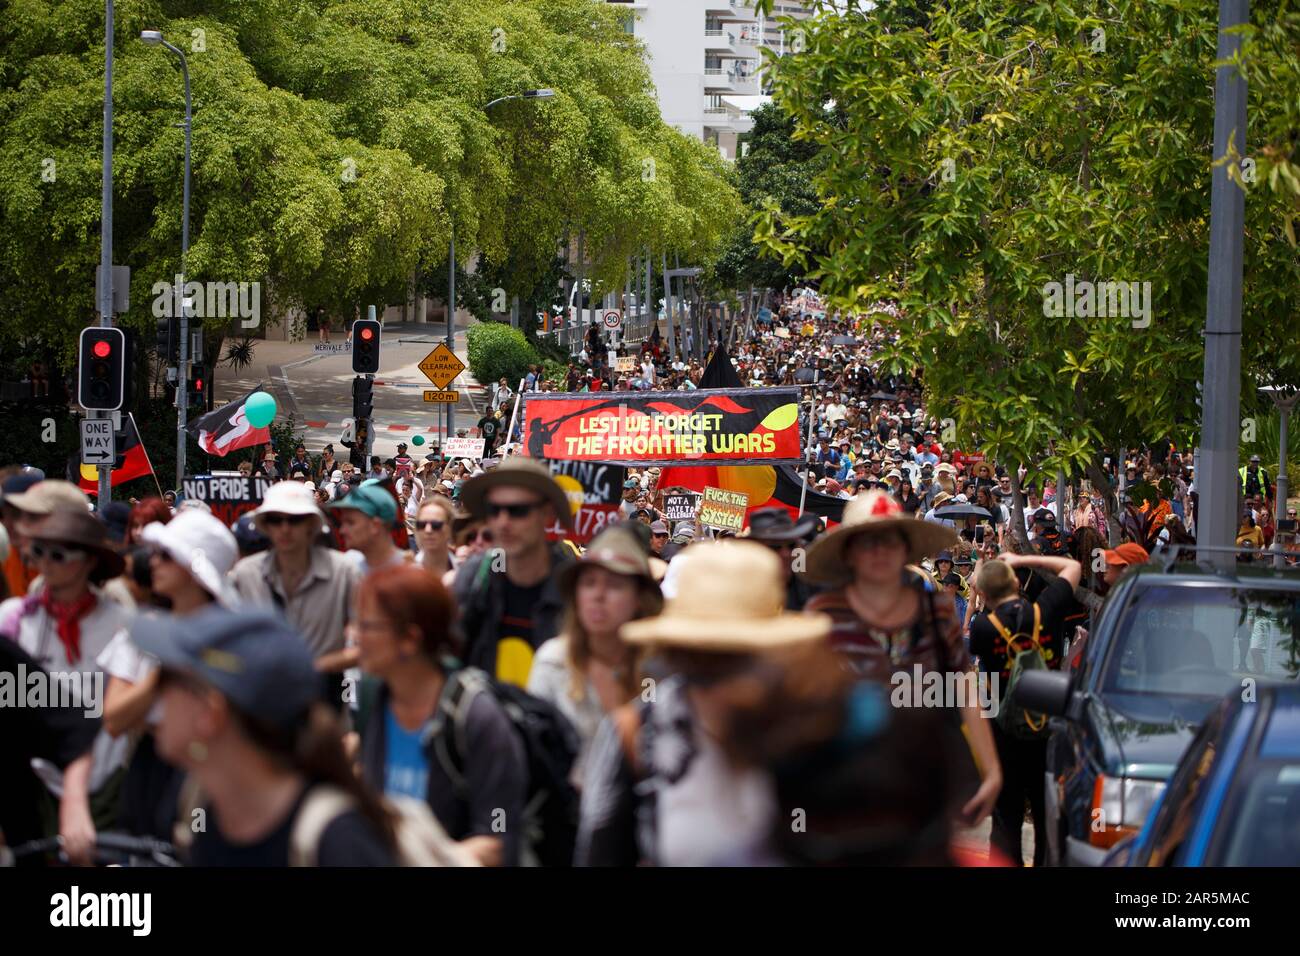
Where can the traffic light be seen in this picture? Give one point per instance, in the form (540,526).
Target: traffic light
(101,369)
(365,346)
(363,403)
(198,391)
(166,342)
(357,454)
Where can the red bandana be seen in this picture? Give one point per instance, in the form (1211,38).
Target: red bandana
(67,620)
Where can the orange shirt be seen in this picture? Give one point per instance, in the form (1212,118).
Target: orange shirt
(17,575)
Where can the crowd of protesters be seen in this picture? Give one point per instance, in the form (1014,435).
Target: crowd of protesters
(403,667)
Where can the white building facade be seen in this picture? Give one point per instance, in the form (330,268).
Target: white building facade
(704,58)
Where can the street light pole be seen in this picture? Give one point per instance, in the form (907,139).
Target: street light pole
(155,38)
(1221,389)
(106,224)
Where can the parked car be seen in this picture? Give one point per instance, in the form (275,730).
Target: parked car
(1166,647)
(1234,799)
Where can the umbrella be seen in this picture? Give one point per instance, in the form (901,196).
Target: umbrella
(882,397)
(961,511)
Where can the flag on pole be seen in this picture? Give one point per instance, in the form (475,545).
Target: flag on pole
(132,461)
(225,429)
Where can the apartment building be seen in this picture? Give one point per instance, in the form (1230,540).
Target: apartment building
(705,62)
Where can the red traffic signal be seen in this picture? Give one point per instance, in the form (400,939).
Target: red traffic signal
(367,333)
(102,349)
(365,346)
(101,369)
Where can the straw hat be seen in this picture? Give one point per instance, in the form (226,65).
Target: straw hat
(730,598)
(617,551)
(874,511)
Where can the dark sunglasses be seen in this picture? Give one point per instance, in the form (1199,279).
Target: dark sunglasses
(430,525)
(57,553)
(514,511)
(275,521)
(483,535)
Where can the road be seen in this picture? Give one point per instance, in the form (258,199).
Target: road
(316,387)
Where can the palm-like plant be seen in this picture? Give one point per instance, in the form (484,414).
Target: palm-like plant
(239,354)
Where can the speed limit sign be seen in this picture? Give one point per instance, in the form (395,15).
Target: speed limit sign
(613,319)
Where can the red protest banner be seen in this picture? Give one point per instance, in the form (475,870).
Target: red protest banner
(734,426)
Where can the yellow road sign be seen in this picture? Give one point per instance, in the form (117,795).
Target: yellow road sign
(445,398)
(441,366)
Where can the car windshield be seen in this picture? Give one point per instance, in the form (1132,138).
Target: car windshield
(1266,829)
(1205,641)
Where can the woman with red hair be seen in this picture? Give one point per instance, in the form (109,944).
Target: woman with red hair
(423,708)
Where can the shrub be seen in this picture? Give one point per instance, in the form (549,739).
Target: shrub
(497,350)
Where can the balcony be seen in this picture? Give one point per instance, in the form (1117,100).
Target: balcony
(729,12)
(718,80)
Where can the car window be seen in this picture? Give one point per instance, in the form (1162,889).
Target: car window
(1174,818)
(1265,823)
(1204,641)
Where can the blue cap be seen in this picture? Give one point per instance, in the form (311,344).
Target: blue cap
(253,658)
(370,499)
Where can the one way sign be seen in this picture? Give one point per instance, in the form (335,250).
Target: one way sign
(97,441)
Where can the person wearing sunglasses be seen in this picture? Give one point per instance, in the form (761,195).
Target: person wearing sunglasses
(311,584)
(65,624)
(509,597)
(433,527)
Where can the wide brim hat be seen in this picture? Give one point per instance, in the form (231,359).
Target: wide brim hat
(288,498)
(517,472)
(618,551)
(774,525)
(200,543)
(83,530)
(874,511)
(983,470)
(730,599)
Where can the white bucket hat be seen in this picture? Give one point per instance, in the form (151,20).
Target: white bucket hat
(288,498)
(200,543)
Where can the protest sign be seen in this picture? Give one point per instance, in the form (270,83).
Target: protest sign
(464,447)
(680,507)
(227,497)
(595,492)
(724,510)
(626,363)
(733,426)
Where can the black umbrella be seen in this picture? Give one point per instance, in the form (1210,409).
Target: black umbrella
(961,511)
(882,397)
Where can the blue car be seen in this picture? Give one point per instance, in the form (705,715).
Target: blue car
(1234,799)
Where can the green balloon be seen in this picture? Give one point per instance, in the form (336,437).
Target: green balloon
(260,409)
(417,440)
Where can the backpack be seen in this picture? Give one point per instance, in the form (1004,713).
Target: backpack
(1014,719)
(421,840)
(550,746)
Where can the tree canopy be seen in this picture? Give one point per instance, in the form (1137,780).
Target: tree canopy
(335,144)
(977,152)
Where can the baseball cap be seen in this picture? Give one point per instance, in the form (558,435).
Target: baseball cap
(252,657)
(370,499)
(20,482)
(659,527)
(1126,554)
(684,529)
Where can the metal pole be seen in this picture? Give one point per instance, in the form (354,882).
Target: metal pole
(807,445)
(668,311)
(1221,399)
(370,420)
(451,320)
(514,412)
(106,225)
(183,371)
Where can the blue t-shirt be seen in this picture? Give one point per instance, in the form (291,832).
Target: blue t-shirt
(406,770)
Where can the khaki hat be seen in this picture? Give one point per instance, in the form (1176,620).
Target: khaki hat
(44,499)
(618,551)
(517,472)
(83,530)
(730,599)
(874,511)
(945,466)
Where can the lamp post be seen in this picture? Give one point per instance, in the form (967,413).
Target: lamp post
(155,38)
(542,94)
(106,224)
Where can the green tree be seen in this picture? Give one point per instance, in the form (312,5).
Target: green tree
(978,151)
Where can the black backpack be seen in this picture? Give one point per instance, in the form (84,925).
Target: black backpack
(550,746)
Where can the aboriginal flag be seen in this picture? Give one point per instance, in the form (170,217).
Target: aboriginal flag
(224,429)
(132,461)
(766,485)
